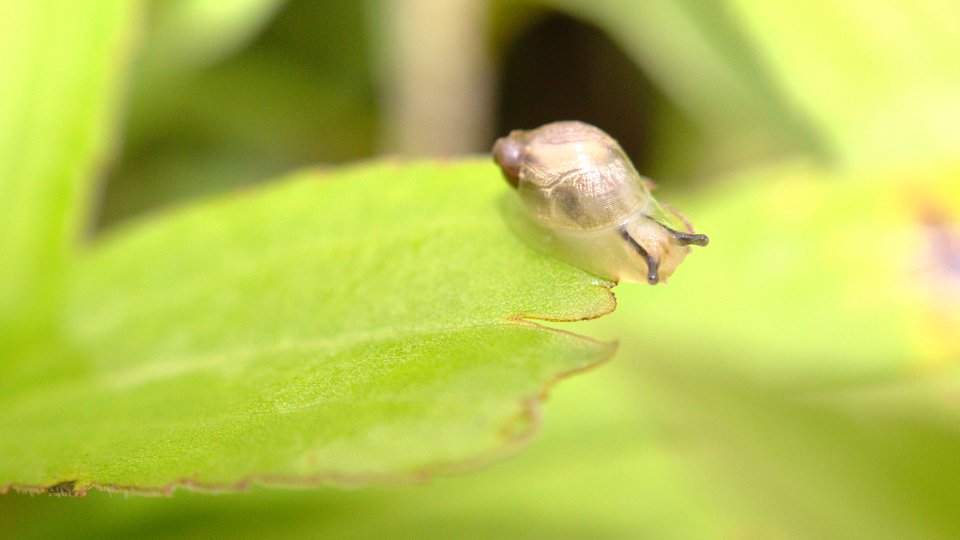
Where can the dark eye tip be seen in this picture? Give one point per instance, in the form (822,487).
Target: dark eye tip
(507,152)
(699,240)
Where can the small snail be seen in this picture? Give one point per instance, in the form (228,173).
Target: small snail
(585,203)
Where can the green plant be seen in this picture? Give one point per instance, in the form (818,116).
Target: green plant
(797,379)
(344,326)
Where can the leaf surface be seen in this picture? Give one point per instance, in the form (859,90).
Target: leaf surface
(356,326)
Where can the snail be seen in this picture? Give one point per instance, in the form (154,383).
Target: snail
(584,202)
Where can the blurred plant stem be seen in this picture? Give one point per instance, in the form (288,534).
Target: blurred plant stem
(434,76)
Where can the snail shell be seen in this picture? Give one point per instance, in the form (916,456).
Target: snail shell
(585,203)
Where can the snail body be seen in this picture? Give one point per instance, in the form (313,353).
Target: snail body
(585,202)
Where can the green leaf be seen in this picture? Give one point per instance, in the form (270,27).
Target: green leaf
(60,68)
(643,448)
(599,471)
(878,79)
(342,327)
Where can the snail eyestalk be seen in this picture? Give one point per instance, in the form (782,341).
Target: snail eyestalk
(653,275)
(508,153)
(686,239)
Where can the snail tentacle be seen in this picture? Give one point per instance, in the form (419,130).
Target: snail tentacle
(653,274)
(685,238)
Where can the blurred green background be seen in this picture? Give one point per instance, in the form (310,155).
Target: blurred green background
(798,378)
(227,96)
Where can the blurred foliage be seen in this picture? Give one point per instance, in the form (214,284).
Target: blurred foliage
(611,93)
(796,379)
(292,96)
(879,80)
(56,81)
(696,54)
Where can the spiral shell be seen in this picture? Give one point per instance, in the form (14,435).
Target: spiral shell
(587,204)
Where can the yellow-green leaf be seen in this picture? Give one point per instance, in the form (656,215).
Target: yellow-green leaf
(60,68)
(350,327)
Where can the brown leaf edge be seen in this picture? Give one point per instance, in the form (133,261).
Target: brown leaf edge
(516,433)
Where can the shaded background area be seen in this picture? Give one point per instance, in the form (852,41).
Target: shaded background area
(291,89)
(295,84)
(797,379)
